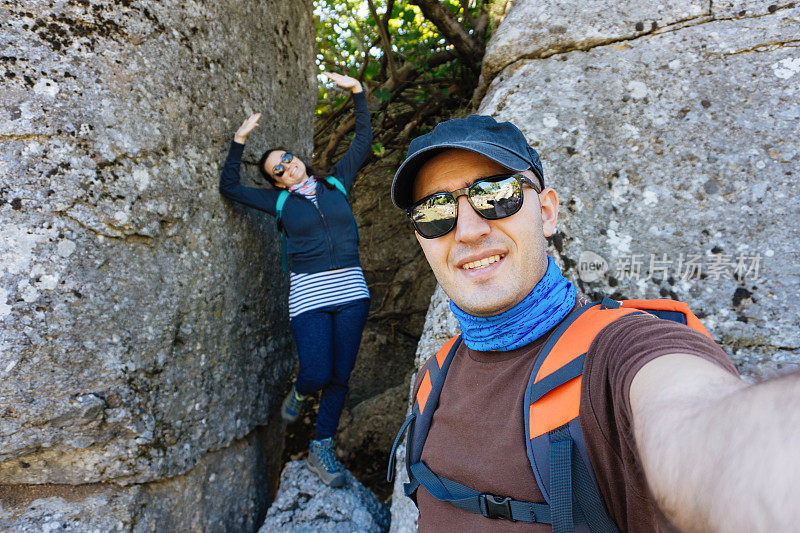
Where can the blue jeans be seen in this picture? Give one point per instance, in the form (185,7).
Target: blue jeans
(327,341)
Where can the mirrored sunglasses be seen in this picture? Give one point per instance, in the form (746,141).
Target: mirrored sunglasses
(493,198)
(279,169)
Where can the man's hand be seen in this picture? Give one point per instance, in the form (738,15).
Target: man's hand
(718,454)
(345,82)
(247,126)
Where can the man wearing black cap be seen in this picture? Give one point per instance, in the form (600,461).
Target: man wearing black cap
(662,409)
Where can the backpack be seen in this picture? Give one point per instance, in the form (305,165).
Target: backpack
(282,197)
(554,439)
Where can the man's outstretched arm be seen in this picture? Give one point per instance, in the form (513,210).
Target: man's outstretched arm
(718,454)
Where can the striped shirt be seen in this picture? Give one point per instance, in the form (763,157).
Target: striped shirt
(321,289)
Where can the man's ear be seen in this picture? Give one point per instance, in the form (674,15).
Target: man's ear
(548,198)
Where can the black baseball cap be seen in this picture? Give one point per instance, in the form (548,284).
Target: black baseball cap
(501,142)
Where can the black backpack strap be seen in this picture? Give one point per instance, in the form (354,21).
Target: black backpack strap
(589,499)
(408,424)
(571,485)
(470,500)
(561,480)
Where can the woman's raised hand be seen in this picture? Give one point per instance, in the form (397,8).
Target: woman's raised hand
(345,82)
(247,126)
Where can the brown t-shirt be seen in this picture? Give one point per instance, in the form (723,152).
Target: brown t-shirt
(476,436)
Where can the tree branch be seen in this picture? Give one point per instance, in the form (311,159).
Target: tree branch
(408,73)
(431,107)
(468,48)
(467,15)
(338,134)
(331,118)
(481,25)
(405,74)
(385,42)
(388,15)
(363,71)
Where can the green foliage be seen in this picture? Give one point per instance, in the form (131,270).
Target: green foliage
(426,74)
(348,42)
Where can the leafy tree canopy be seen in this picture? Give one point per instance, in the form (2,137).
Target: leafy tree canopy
(418,60)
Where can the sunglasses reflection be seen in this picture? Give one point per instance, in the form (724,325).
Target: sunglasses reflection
(279,169)
(492,198)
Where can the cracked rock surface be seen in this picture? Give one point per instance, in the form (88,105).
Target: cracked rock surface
(306,505)
(142,316)
(670,133)
(226,491)
(533,30)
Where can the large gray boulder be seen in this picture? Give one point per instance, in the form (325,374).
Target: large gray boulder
(673,149)
(537,30)
(306,505)
(670,132)
(226,491)
(143,316)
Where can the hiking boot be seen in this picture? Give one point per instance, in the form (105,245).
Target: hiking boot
(290,409)
(323,462)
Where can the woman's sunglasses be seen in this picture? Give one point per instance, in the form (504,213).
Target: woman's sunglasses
(492,198)
(279,169)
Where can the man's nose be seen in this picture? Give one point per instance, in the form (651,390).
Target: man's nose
(470,226)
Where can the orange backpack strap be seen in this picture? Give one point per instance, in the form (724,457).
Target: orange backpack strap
(670,310)
(434,367)
(555,446)
(553,394)
(419,422)
(427,398)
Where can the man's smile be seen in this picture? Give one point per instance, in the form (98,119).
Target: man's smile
(481,263)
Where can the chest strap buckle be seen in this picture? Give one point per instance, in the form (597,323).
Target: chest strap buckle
(495,506)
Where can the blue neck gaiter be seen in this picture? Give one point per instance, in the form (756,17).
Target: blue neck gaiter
(547,304)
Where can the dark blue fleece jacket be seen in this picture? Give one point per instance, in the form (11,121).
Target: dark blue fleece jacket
(323,237)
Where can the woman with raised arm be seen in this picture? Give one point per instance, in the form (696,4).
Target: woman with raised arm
(328,297)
